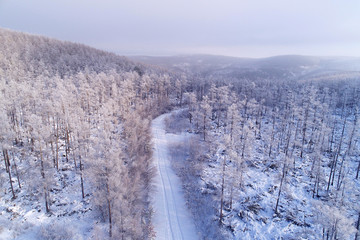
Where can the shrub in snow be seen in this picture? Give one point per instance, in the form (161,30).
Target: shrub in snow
(59,231)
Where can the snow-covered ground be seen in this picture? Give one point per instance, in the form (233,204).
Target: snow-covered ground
(172,219)
(251,214)
(25,218)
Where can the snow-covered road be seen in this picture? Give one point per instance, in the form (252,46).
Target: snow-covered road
(172,219)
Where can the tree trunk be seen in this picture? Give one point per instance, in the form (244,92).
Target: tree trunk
(272,134)
(338,151)
(109,211)
(7,162)
(231,196)
(281,184)
(294,143)
(110,223)
(243,146)
(81,178)
(331,171)
(121,224)
(304,131)
(16,170)
(218,118)
(352,134)
(317,178)
(204,126)
(46,193)
(57,144)
(53,152)
(340,173)
(357,227)
(332,136)
(222,193)
(74,154)
(313,127)
(47,207)
(314,189)
(181,97)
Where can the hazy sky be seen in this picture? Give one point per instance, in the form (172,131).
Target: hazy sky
(247,28)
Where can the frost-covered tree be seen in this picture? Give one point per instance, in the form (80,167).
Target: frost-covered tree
(203,116)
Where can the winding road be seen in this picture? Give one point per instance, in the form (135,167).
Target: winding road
(172,219)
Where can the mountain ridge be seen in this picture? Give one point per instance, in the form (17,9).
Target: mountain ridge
(293,67)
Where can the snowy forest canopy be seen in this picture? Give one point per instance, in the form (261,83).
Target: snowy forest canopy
(75,139)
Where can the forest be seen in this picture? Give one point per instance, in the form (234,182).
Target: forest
(75,137)
(274,152)
(284,166)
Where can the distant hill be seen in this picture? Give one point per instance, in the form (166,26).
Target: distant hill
(285,67)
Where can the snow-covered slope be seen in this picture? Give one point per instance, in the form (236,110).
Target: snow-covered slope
(75,150)
(269,195)
(24,218)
